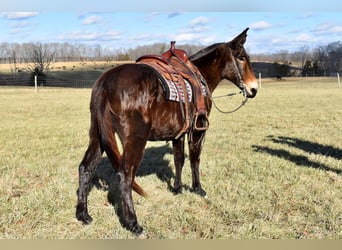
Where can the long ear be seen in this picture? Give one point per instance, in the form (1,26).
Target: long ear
(239,40)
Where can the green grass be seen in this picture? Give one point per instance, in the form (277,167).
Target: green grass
(271,170)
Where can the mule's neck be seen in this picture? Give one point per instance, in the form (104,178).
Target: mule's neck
(211,70)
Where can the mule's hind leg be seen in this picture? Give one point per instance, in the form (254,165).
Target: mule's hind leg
(132,155)
(87,169)
(195,148)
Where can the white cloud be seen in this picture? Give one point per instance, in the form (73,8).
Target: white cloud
(18,15)
(150,17)
(173,14)
(80,36)
(201,20)
(303,38)
(92,20)
(197,25)
(194,38)
(261,25)
(327,28)
(306,15)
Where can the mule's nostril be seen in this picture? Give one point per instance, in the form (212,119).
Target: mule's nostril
(253,92)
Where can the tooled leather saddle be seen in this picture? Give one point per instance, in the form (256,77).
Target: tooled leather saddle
(181,81)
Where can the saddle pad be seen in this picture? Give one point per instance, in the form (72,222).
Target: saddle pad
(175,92)
(173,89)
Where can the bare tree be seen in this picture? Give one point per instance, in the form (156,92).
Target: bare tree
(41,56)
(40,59)
(334,61)
(301,56)
(283,56)
(13,62)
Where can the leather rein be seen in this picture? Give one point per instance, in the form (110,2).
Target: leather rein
(228,95)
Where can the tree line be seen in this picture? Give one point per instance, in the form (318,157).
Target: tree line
(323,60)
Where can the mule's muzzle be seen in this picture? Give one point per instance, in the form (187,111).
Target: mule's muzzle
(251,93)
(250,90)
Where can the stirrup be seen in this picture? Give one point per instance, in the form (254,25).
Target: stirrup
(205,125)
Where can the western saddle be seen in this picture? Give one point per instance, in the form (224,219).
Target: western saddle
(174,65)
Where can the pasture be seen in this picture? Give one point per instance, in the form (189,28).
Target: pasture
(272,170)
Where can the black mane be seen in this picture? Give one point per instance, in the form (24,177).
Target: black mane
(204,52)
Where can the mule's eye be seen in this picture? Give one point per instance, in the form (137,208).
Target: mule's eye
(241,58)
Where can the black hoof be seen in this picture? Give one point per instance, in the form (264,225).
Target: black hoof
(84,217)
(177,190)
(200,191)
(135,228)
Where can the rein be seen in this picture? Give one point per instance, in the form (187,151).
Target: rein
(228,95)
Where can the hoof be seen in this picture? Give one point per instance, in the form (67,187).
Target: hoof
(135,228)
(84,217)
(200,191)
(177,190)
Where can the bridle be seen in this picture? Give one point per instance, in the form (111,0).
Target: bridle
(240,83)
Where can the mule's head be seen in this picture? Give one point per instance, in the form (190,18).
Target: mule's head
(238,67)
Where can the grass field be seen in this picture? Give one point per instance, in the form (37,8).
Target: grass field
(272,170)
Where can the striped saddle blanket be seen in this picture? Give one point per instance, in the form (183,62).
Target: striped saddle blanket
(176,84)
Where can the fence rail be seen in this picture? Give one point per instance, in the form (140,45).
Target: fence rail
(87,79)
(80,81)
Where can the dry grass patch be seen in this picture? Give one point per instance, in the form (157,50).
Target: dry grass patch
(271,170)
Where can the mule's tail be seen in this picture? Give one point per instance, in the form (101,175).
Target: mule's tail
(106,133)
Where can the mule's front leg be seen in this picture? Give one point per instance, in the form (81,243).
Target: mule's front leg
(195,148)
(178,154)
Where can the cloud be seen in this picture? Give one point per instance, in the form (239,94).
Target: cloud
(195,32)
(173,14)
(92,20)
(20,24)
(327,28)
(151,16)
(145,38)
(201,20)
(303,37)
(197,25)
(306,15)
(261,25)
(18,15)
(194,38)
(86,36)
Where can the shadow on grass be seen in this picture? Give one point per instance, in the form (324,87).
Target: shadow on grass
(307,146)
(310,147)
(153,163)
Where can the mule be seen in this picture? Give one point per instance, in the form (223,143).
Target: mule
(129,101)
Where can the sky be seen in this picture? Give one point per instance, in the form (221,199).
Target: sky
(272,29)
